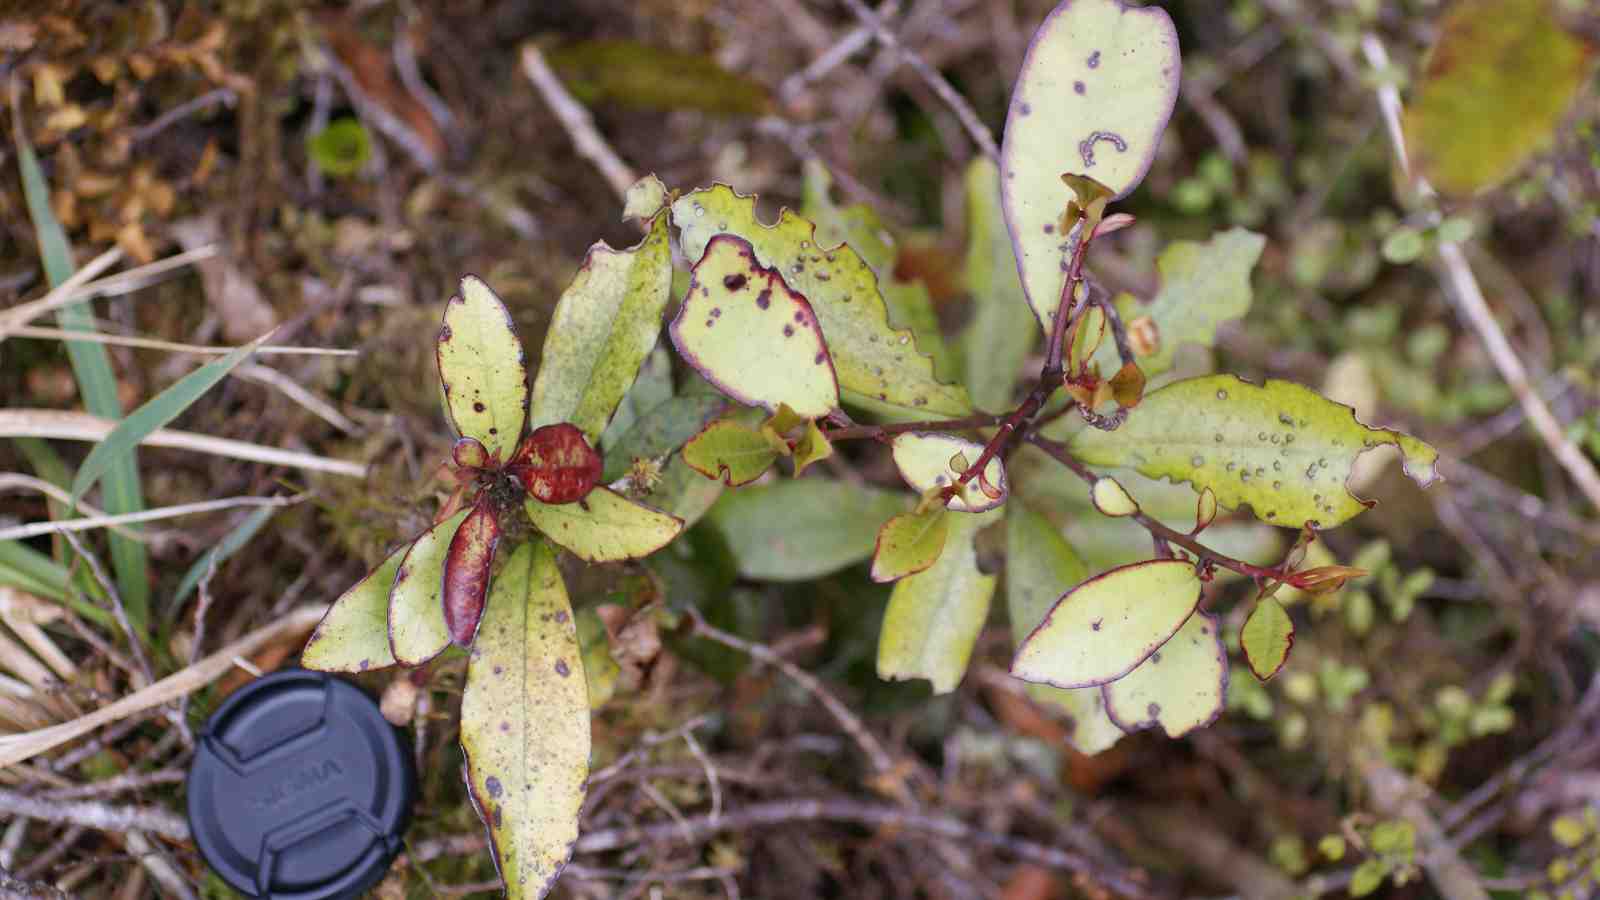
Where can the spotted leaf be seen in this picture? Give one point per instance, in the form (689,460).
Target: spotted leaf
(1094,95)
(879,367)
(525,723)
(1280,447)
(1181,687)
(481,369)
(748,333)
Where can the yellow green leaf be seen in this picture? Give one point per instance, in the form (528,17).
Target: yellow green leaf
(1493,90)
(604,326)
(354,635)
(934,616)
(481,369)
(1181,687)
(1101,629)
(1280,447)
(878,367)
(812,448)
(1111,499)
(644,198)
(1202,286)
(999,338)
(605,526)
(748,333)
(909,543)
(931,461)
(1093,98)
(729,451)
(599,669)
(1040,564)
(1267,637)
(859,226)
(417,630)
(525,723)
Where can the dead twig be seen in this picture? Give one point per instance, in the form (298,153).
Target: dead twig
(98,816)
(979,132)
(882,762)
(591,145)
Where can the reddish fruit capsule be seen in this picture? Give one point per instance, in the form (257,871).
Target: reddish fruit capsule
(556,464)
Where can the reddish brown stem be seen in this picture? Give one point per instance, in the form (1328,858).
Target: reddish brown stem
(1161,532)
(857,432)
(1069,297)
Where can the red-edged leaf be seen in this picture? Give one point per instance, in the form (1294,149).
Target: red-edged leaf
(466,572)
(556,464)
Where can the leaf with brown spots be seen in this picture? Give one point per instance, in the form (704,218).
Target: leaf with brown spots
(1092,99)
(525,723)
(748,333)
(556,464)
(481,369)
(466,571)
(879,368)
(1280,447)
(1181,687)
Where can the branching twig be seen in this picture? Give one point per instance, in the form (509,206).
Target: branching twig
(978,131)
(99,816)
(1157,529)
(789,812)
(881,761)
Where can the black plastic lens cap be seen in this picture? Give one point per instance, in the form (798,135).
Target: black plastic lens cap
(300,790)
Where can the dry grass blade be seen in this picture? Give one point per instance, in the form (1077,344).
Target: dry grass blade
(127,340)
(72,426)
(71,526)
(16,748)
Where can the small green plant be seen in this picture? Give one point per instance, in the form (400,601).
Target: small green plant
(790,330)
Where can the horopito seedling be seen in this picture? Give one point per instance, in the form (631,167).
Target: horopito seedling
(798,336)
